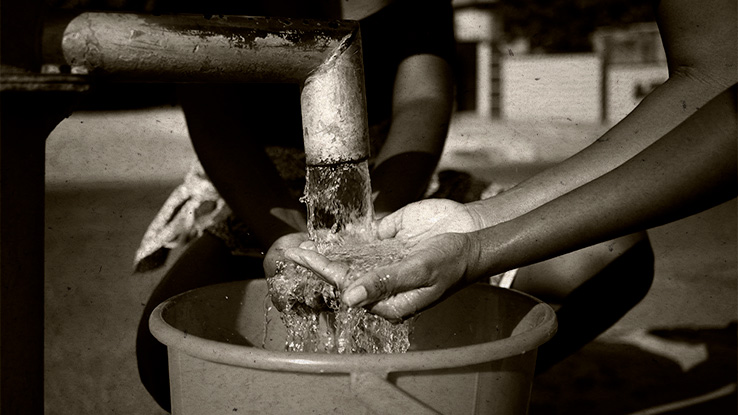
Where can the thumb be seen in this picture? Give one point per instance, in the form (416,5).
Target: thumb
(388,296)
(405,304)
(333,272)
(383,282)
(389,225)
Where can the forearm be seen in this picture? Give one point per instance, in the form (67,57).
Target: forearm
(690,169)
(700,44)
(422,105)
(656,115)
(410,156)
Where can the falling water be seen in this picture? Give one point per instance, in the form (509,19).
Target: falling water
(340,222)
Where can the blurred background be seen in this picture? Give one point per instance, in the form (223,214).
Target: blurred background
(539,80)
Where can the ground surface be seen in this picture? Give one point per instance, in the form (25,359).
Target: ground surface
(109,172)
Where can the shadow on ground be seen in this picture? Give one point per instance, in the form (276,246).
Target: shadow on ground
(620,378)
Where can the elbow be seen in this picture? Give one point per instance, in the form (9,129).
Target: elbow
(719,74)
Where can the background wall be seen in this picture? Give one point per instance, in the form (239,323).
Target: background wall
(551,87)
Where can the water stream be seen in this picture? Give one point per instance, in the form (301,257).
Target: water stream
(340,222)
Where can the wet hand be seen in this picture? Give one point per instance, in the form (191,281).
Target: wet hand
(434,268)
(411,224)
(421,220)
(278,248)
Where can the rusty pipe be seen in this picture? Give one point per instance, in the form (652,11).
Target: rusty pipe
(323,56)
(193,48)
(336,137)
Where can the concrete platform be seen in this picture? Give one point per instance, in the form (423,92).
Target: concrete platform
(109,172)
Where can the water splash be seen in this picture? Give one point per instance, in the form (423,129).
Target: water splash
(339,202)
(340,222)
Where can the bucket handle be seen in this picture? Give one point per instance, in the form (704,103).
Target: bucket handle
(380,396)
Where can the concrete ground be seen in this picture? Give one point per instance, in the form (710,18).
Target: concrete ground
(108,172)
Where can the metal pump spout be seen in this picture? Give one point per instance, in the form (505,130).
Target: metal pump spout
(334,107)
(336,137)
(323,56)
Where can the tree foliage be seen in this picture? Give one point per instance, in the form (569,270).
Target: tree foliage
(566,25)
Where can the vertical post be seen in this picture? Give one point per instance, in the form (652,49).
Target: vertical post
(489,87)
(495,64)
(484,79)
(22,137)
(479,22)
(605,51)
(31,106)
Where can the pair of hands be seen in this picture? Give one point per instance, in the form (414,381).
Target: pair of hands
(441,249)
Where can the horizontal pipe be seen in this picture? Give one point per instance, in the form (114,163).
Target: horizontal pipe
(194,48)
(325,57)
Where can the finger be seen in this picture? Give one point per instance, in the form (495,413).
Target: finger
(381,283)
(406,304)
(309,245)
(393,307)
(389,225)
(333,272)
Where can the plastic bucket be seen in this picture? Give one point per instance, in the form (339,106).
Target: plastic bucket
(473,353)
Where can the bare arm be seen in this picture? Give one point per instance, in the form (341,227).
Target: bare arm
(248,181)
(671,157)
(229,142)
(421,110)
(700,42)
(691,169)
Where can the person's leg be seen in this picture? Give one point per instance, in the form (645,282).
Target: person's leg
(206,261)
(593,288)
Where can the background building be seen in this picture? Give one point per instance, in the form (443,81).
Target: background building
(502,76)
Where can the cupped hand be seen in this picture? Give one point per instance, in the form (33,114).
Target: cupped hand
(437,232)
(433,268)
(421,220)
(278,248)
(411,224)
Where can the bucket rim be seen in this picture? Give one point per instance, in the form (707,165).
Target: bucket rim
(541,326)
